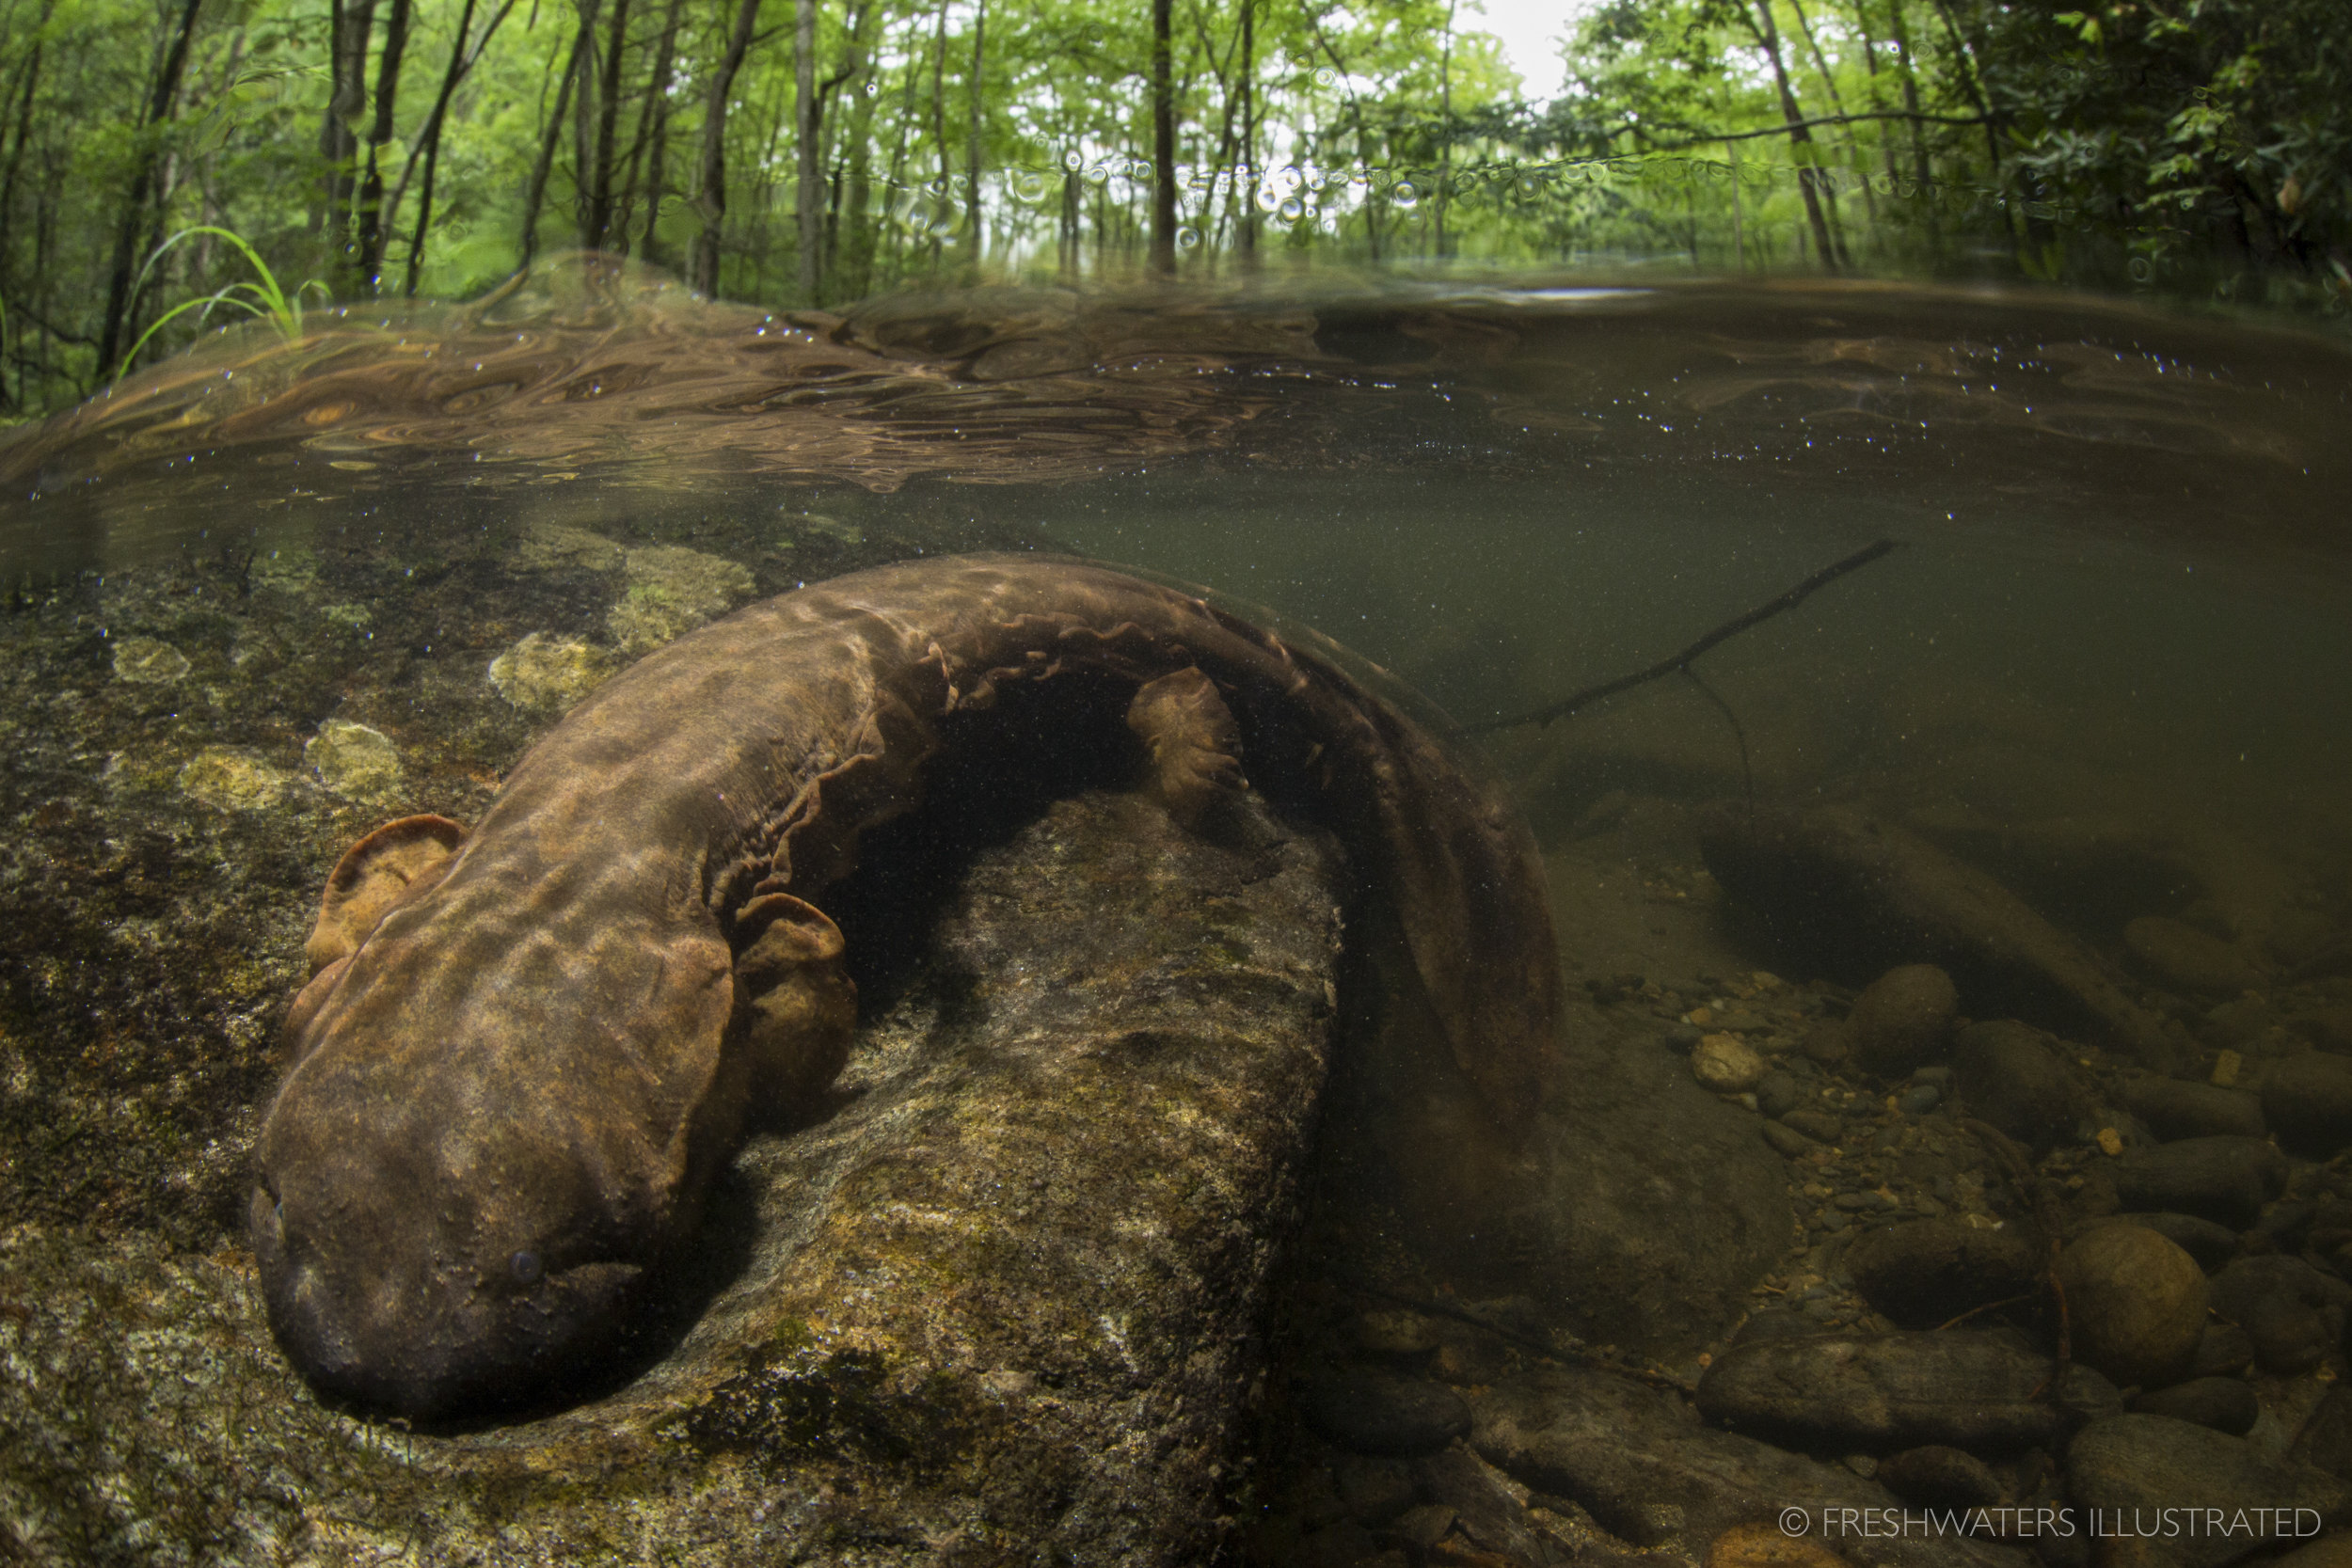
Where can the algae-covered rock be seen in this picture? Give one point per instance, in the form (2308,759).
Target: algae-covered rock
(355,761)
(546,674)
(145,662)
(548,547)
(999,1299)
(232,779)
(672,589)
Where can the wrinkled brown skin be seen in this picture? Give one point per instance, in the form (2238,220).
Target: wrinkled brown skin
(525,1050)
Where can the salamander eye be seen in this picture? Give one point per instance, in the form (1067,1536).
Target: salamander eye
(526,1267)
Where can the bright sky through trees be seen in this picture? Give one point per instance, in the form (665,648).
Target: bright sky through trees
(1531,33)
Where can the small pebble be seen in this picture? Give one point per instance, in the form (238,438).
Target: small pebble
(1726,1064)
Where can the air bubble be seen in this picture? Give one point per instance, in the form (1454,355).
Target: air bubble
(1405,195)
(1325,76)
(1187,238)
(1292,209)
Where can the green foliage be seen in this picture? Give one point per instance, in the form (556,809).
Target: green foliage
(268,301)
(2201,145)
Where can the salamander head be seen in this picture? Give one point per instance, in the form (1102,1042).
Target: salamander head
(436,1278)
(497,1124)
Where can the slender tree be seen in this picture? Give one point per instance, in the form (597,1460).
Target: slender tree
(575,66)
(596,219)
(1163,144)
(974,90)
(153,113)
(369,257)
(711,197)
(1757,16)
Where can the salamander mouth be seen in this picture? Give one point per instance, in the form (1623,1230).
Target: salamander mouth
(433,1339)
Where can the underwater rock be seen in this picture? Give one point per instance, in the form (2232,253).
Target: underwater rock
(2089,872)
(1903,1021)
(2211,1245)
(2187,959)
(1877,1393)
(230,778)
(1853,896)
(2307,1100)
(548,673)
(1926,1271)
(1726,1064)
(355,761)
(1374,1411)
(2176,1108)
(2326,1440)
(2223,1180)
(2224,1350)
(2223,1404)
(1654,1478)
(2006,1074)
(145,662)
(2154,1461)
(2137,1303)
(2293,1313)
(1483,1509)
(551,547)
(1663,1206)
(1939,1477)
(672,589)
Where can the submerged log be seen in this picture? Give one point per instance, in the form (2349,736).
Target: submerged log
(1853,896)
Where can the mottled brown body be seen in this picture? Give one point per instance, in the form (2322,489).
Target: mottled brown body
(525,1050)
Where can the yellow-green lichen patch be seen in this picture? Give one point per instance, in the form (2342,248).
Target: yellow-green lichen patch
(672,589)
(354,617)
(230,778)
(545,673)
(551,547)
(287,570)
(145,662)
(355,761)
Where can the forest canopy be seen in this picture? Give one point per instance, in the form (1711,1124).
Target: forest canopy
(169,166)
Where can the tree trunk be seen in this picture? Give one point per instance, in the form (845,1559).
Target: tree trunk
(711,199)
(1163,144)
(1911,102)
(1854,147)
(651,119)
(351,25)
(574,64)
(808,169)
(1445,124)
(158,108)
(972,143)
(852,267)
(461,61)
(657,147)
(371,215)
(1246,241)
(596,221)
(1800,138)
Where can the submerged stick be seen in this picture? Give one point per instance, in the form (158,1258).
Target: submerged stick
(1680,662)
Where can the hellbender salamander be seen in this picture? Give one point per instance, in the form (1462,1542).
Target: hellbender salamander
(525,1049)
